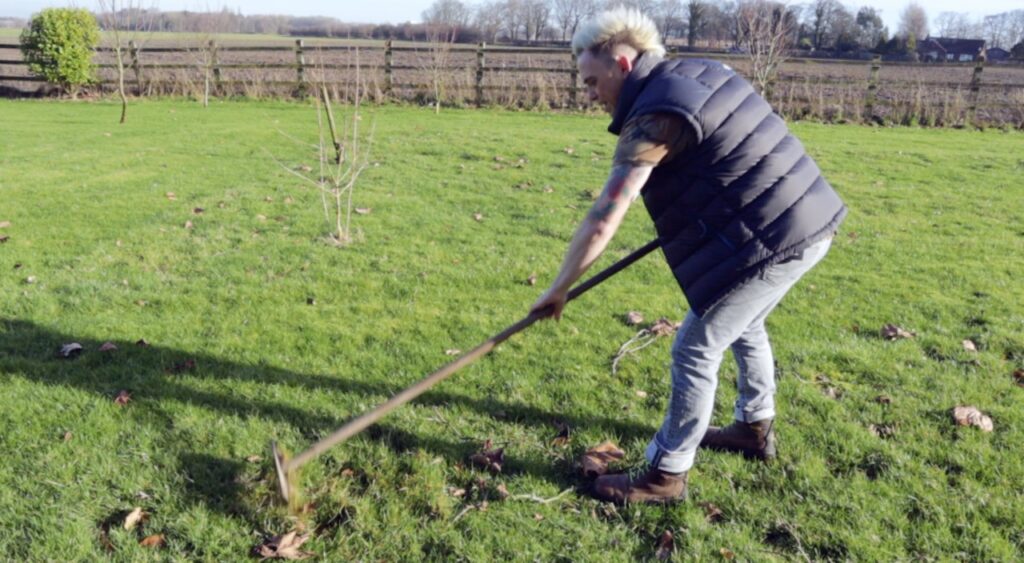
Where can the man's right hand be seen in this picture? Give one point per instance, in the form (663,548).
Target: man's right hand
(554,298)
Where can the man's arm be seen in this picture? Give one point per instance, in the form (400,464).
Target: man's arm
(645,142)
(596,230)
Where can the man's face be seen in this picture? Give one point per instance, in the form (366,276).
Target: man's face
(603,74)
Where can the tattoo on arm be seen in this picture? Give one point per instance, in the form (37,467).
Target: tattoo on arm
(618,190)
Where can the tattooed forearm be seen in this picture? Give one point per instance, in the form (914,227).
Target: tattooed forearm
(618,190)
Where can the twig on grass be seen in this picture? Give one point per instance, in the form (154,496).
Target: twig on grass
(540,500)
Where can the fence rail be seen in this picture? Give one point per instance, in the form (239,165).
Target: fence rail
(864,94)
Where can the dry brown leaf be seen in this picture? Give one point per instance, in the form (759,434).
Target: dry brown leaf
(4,224)
(198,210)
(31,280)
(1018,376)
(171,196)
(969,345)
(363,210)
(478,217)
(261,217)
(306,168)
(666,544)
(452,352)
(108,347)
(254,458)
(883,400)
(4,238)
(457,492)
(182,367)
(883,430)
(569,150)
(971,416)
(488,458)
(532,280)
(538,517)
(142,343)
(893,332)
(122,398)
(134,518)
(641,394)
(189,225)
(68,436)
(502,491)
(634,318)
(285,547)
(664,327)
(595,460)
(712,512)
(548,189)
(562,439)
(727,554)
(156,540)
(347,472)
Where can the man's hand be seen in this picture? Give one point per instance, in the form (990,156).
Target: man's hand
(554,298)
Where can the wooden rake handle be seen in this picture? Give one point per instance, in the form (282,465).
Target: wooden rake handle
(357,425)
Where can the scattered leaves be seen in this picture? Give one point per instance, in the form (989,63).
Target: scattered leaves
(122,397)
(171,196)
(489,458)
(478,217)
(364,210)
(595,460)
(562,439)
(712,512)
(666,544)
(284,547)
(634,318)
(108,347)
(727,554)
(70,350)
(893,332)
(457,492)
(971,416)
(664,327)
(134,518)
(156,540)
(532,280)
(969,345)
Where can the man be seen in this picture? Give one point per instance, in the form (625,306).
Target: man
(741,212)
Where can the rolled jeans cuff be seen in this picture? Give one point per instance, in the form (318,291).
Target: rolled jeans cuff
(755,416)
(670,462)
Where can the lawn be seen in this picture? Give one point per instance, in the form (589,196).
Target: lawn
(256,328)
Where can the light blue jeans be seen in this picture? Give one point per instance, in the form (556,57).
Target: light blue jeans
(738,322)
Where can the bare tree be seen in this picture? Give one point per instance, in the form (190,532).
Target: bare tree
(449,16)
(487,20)
(570,13)
(872,29)
(537,14)
(127,22)
(668,15)
(914,21)
(766,32)
(697,20)
(956,25)
(441,39)
(514,15)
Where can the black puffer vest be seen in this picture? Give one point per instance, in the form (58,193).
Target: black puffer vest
(744,197)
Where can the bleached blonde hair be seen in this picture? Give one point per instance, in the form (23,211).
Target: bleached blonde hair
(619,26)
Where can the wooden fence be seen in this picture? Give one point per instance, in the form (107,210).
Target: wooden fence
(835,90)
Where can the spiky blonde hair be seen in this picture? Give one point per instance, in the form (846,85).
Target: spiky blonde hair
(619,26)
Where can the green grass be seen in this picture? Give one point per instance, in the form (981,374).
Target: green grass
(933,243)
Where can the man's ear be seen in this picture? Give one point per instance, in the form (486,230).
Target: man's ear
(624,63)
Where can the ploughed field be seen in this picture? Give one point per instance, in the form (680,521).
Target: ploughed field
(816,89)
(184,239)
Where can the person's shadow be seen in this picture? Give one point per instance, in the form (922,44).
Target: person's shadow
(31,352)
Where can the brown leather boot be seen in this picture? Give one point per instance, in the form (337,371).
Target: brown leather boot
(754,440)
(651,486)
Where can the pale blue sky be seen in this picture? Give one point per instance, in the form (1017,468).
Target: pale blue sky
(397,11)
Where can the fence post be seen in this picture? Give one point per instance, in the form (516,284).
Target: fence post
(216,68)
(300,70)
(133,49)
(972,109)
(388,80)
(869,101)
(573,79)
(480,74)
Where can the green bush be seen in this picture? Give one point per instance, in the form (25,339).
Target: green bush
(58,45)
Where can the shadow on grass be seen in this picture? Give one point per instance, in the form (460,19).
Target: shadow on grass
(150,372)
